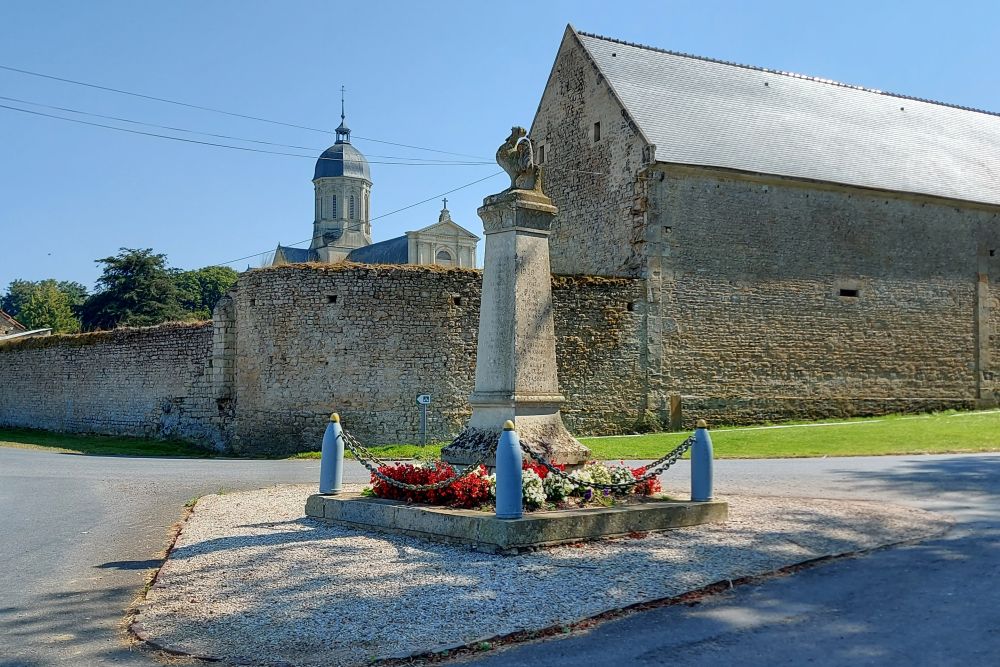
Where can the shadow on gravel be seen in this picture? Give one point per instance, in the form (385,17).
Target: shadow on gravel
(297,578)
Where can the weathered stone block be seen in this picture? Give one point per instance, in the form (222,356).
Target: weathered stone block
(484,532)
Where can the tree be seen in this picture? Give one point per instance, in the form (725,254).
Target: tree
(199,290)
(135,288)
(75,292)
(18,293)
(48,307)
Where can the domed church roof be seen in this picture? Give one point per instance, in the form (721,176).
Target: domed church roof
(342,159)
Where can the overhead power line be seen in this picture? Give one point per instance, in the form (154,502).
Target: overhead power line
(229,146)
(377,217)
(222,111)
(207,134)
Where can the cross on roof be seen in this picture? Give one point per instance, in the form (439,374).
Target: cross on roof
(445,200)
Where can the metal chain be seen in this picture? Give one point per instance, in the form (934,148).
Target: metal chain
(652,470)
(366,458)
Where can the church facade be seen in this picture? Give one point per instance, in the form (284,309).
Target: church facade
(342,228)
(808,248)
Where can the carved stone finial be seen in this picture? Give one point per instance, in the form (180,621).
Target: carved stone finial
(516,156)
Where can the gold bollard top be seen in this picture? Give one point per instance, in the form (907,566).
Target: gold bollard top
(508,425)
(702,423)
(335,418)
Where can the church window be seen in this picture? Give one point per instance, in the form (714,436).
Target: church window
(333,206)
(352,207)
(541,154)
(443,257)
(597,131)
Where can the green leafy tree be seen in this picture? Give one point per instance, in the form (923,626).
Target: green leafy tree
(48,307)
(135,288)
(199,290)
(18,293)
(76,293)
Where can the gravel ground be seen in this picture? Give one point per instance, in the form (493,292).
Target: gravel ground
(253,581)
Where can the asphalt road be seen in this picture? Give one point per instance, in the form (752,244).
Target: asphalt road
(77,535)
(932,603)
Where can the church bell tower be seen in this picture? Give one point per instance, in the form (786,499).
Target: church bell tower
(342,182)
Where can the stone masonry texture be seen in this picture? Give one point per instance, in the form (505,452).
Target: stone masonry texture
(289,345)
(152,382)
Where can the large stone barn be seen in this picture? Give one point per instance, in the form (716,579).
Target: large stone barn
(808,247)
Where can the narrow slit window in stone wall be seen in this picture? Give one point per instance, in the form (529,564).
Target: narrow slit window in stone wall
(597,131)
(541,154)
(853,293)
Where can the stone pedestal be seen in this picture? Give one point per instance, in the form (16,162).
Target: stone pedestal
(516,374)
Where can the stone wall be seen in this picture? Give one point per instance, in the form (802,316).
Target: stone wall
(366,340)
(153,382)
(291,344)
(594,183)
(779,299)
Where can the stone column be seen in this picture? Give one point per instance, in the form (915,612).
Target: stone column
(516,375)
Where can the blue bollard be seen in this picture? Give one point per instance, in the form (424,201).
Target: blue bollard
(331,465)
(701,464)
(508,459)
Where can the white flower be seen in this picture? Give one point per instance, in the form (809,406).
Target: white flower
(532,489)
(493,485)
(557,487)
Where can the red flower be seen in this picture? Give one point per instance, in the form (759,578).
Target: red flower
(650,486)
(469,491)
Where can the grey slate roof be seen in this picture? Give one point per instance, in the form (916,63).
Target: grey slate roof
(711,113)
(342,159)
(391,251)
(297,255)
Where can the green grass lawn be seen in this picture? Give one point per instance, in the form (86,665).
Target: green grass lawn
(101,445)
(941,433)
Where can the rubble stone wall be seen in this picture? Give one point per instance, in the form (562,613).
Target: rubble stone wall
(367,340)
(780,299)
(291,344)
(151,382)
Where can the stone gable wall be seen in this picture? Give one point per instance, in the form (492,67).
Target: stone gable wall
(599,229)
(152,382)
(747,283)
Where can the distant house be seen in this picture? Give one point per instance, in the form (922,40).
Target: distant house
(8,325)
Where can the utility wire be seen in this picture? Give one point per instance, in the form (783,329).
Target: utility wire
(238,148)
(206,134)
(222,111)
(355,227)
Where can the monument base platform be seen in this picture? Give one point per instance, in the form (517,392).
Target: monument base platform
(540,433)
(484,532)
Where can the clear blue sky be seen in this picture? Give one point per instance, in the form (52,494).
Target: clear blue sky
(448,75)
